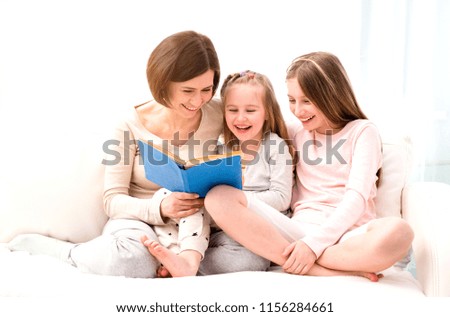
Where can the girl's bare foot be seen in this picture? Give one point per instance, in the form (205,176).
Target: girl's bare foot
(373,277)
(162,272)
(318,270)
(184,264)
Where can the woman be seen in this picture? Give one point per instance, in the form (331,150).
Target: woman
(183,73)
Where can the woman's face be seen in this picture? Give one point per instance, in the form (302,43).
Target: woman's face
(310,116)
(189,96)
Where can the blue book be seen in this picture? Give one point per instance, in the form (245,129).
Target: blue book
(194,176)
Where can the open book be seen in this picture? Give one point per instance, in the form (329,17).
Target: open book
(194,176)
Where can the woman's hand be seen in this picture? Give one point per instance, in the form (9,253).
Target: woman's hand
(178,205)
(300,258)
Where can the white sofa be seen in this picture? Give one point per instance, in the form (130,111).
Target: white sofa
(61,196)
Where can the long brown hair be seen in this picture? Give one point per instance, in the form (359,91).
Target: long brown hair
(325,83)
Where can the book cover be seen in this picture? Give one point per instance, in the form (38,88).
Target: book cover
(194,176)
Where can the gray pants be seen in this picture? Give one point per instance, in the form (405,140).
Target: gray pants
(224,255)
(119,251)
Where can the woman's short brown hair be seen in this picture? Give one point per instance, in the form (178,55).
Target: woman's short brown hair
(178,58)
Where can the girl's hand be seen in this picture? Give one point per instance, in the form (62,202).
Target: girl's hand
(300,258)
(178,205)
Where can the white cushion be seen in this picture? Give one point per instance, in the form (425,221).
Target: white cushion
(395,172)
(58,194)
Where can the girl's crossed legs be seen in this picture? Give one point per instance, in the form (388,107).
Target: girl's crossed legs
(267,232)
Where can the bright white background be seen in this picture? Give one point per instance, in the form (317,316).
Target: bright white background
(65,57)
(69,68)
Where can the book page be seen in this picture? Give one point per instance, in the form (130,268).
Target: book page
(171,155)
(208,158)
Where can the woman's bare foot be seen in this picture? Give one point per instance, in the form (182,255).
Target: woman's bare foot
(161,271)
(184,264)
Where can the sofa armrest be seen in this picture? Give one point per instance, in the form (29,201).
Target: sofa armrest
(426,207)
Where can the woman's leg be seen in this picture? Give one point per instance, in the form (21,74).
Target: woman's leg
(118,251)
(386,241)
(38,244)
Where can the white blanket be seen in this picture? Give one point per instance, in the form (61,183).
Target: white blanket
(48,284)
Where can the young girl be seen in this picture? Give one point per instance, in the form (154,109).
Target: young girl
(333,230)
(254,125)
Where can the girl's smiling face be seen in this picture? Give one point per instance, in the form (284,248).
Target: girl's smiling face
(244,111)
(310,116)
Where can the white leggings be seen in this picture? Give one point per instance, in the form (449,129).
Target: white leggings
(290,228)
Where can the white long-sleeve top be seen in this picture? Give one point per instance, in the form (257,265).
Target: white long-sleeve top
(127,192)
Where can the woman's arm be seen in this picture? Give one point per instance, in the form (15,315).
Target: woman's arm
(147,202)
(119,164)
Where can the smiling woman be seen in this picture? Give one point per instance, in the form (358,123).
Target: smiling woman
(183,113)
